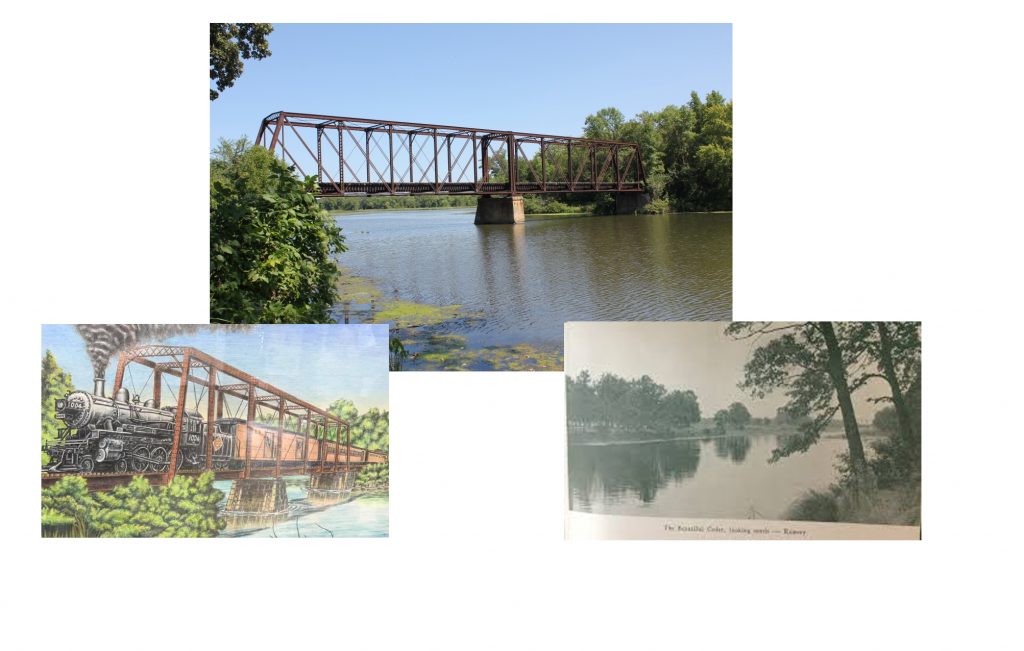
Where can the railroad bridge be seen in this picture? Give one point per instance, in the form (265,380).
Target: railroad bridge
(318,443)
(347,156)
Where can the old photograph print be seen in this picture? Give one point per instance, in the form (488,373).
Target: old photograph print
(805,421)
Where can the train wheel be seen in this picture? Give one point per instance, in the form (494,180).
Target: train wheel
(140,464)
(121,465)
(88,465)
(159,457)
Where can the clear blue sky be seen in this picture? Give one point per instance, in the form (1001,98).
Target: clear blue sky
(536,78)
(318,363)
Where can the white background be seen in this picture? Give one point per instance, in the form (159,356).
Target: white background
(877,175)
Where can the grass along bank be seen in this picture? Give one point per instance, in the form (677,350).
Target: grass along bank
(420,332)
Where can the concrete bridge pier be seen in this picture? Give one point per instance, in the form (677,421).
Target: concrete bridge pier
(500,210)
(330,487)
(256,502)
(630,203)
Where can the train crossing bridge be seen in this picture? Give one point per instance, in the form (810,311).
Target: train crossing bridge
(348,156)
(222,419)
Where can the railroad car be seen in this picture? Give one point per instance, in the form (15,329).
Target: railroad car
(120,435)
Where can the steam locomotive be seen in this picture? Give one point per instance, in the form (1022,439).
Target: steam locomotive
(120,435)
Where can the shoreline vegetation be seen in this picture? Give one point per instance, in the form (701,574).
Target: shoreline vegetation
(418,332)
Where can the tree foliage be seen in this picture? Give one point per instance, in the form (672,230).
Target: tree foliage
(739,415)
(799,359)
(185,508)
(686,150)
(369,430)
(372,476)
(271,245)
(230,43)
(640,404)
(56,384)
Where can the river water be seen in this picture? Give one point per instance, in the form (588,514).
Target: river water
(365,516)
(525,281)
(727,477)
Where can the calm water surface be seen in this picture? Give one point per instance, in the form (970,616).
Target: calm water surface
(527,280)
(727,477)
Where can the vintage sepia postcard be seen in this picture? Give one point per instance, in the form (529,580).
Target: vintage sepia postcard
(204,430)
(743,430)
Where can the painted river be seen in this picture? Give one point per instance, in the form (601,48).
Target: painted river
(365,516)
(517,285)
(727,477)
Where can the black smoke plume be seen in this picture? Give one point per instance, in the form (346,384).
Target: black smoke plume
(103,341)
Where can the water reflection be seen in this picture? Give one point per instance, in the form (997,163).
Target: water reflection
(529,279)
(733,447)
(717,476)
(615,472)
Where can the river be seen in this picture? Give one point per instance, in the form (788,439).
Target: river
(518,285)
(727,477)
(366,516)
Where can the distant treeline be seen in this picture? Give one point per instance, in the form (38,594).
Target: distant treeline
(346,204)
(614,402)
(686,153)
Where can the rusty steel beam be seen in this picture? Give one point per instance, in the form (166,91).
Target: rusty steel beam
(211,405)
(179,419)
(480,140)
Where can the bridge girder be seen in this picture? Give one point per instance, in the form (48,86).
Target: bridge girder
(361,156)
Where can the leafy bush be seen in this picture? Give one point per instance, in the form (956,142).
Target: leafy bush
(815,506)
(374,475)
(186,507)
(271,244)
(657,207)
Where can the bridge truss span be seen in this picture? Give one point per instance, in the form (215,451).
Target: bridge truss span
(359,157)
(273,432)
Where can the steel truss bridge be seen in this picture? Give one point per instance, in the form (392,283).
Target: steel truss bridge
(360,157)
(214,384)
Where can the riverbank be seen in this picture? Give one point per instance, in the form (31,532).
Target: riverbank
(422,332)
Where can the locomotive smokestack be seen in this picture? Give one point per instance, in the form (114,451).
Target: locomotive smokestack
(97,387)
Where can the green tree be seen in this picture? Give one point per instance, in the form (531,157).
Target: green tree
(56,384)
(271,245)
(230,43)
(186,508)
(370,430)
(604,125)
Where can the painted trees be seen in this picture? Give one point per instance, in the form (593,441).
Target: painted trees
(56,384)
(186,508)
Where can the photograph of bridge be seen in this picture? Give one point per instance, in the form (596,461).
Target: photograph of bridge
(199,418)
(747,423)
(474,221)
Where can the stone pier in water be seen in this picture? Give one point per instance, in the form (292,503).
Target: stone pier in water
(630,203)
(500,210)
(330,487)
(256,502)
